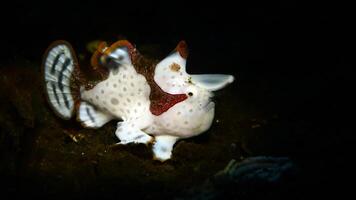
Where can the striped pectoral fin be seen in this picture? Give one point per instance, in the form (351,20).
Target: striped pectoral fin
(128,132)
(58,66)
(90,117)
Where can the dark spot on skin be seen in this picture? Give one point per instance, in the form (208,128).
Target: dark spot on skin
(138,137)
(102,91)
(190,80)
(163,149)
(114,101)
(115,71)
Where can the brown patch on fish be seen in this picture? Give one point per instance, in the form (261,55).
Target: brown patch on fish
(182,48)
(174,67)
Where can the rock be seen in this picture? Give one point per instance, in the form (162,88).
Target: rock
(253,177)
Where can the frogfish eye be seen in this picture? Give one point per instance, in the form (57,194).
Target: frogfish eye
(190,93)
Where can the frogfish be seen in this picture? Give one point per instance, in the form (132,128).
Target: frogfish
(154,101)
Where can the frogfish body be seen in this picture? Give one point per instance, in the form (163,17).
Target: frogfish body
(154,101)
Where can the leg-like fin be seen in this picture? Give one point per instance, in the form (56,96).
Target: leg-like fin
(162,149)
(92,118)
(127,132)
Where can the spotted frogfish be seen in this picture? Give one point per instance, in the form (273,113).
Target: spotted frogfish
(154,101)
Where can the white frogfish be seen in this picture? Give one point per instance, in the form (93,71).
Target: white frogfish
(153,101)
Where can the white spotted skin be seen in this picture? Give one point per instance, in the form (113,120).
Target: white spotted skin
(171,81)
(187,118)
(124,95)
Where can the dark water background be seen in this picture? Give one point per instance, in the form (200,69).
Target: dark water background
(293,67)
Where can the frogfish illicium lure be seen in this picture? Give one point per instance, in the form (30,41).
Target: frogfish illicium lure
(154,101)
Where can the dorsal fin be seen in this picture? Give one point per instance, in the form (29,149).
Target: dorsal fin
(95,59)
(122,44)
(103,50)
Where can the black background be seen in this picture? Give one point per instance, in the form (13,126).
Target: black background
(297,56)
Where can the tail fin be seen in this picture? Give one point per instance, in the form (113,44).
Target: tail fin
(58,66)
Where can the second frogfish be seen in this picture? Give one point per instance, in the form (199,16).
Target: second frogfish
(153,101)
